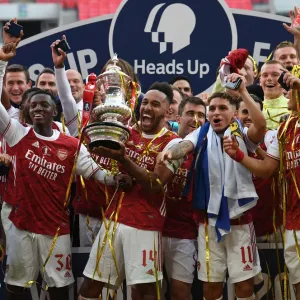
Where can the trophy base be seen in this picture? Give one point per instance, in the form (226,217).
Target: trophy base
(105,134)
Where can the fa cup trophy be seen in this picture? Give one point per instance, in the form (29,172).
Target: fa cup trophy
(110,120)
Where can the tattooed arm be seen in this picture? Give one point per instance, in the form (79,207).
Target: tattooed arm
(181,149)
(176,152)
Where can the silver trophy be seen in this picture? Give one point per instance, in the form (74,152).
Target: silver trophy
(110,120)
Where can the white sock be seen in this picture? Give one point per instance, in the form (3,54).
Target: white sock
(83,298)
(216,299)
(248,298)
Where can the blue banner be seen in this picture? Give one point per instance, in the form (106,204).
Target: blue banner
(160,40)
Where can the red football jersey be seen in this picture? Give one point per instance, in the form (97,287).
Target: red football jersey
(9,185)
(179,220)
(269,200)
(95,200)
(43,170)
(140,209)
(291,157)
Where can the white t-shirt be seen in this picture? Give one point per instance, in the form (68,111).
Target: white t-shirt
(271,142)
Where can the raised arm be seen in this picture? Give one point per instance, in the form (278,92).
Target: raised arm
(2,72)
(295,31)
(258,127)
(5,98)
(12,111)
(68,103)
(12,130)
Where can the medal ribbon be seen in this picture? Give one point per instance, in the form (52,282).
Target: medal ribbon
(155,268)
(207,250)
(87,216)
(275,232)
(66,201)
(63,123)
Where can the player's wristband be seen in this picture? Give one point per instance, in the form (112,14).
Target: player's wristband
(239,155)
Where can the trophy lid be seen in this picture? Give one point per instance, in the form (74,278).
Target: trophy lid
(113,73)
(114,61)
(115,77)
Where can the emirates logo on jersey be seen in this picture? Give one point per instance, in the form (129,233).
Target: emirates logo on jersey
(62,154)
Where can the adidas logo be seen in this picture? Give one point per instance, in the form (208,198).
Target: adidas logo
(247,268)
(150,272)
(68,274)
(36,144)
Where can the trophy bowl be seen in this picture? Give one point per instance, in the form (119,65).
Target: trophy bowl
(110,120)
(105,134)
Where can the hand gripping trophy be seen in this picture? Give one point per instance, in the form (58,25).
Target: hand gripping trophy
(110,120)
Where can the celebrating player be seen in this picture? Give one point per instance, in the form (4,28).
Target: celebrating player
(44,164)
(223,194)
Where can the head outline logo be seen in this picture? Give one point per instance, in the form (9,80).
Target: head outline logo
(178,33)
(158,63)
(234,32)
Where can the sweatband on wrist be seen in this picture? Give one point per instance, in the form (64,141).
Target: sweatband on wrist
(239,155)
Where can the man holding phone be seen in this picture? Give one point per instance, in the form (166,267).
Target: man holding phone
(66,80)
(228,252)
(14,29)
(286,158)
(275,103)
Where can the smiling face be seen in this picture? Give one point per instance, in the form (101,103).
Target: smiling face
(250,73)
(153,111)
(243,114)
(193,116)
(16,85)
(24,116)
(173,110)
(41,110)
(287,56)
(184,87)
(220,114)
(270,74)
(47,82)
(76,84)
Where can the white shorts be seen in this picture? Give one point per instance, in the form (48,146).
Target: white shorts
(27,253)
(237,252)
(134,253)
(179,258)
(87,235)
(6,222)
(290,255)
(271,238)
